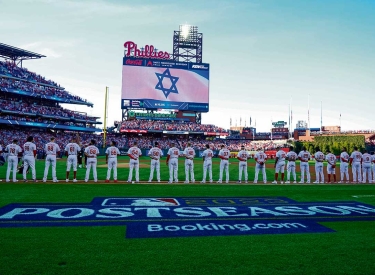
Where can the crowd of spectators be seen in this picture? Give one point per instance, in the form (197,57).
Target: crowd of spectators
(159,125)
(31,82)
(24,106)
(126,141)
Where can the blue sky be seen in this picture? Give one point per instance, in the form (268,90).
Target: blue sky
(261,53)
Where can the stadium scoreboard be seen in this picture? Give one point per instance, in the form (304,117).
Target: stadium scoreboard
(164,84)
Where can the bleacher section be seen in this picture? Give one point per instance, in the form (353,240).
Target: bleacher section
(30,100)
(159,126)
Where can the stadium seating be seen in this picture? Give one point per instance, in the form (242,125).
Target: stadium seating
(14,77)
(23,106)
(158,125)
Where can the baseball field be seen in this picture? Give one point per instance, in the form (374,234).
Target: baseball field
(50,228)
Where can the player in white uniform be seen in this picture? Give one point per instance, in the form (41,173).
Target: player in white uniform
(279,165)
(13,151)
(29,153)
(51,149)
(155,154)
(366,167)
(207,163)
(172,162)
(189,154)
(331,166)
(344,162)
(373,166)
(291,156)
(72,149)
(91,152)
(111,160)
(304,156)
(355,162)
(224,154)
(260,158)
(319,172)
(242,156)
(134,153)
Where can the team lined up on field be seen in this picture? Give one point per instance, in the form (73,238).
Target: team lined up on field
(360,163)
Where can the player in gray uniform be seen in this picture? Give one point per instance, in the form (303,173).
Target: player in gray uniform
(319,172)
(355,162)
(291,156)
(344,162)
(304,156)
(366,167)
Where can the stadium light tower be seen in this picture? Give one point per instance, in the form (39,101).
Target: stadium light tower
(187,44)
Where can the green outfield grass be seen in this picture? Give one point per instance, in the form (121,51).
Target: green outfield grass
(144,171)
(105,250)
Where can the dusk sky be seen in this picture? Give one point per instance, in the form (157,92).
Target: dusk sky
(261,53)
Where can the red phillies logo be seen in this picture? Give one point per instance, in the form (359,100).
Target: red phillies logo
(146,52)
(137,62)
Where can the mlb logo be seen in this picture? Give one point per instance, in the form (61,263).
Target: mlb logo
(140,202)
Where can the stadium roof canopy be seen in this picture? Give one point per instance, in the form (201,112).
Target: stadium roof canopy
(14,53)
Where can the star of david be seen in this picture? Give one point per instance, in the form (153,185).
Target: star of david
(173,79)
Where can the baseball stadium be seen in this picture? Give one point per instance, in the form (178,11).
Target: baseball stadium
(159,188)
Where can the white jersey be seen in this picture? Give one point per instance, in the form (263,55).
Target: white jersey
(92,151)
(51,148)
(112,152)
(292,156)
(304,155)
(345,156)
(156,153)
(319,156)
(13,150)
(135,152)
(281,155)
(366,158)
(373,158)
(173,152)
(260,157)
(72,148)
(331,158)
(356,156)
(224,153)
(189,153)
(28,149)
(208,154)
(1,149)
(243,154)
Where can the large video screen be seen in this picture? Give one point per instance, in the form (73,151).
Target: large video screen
(164,84)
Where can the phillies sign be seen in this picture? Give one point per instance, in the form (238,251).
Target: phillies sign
(148,51)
